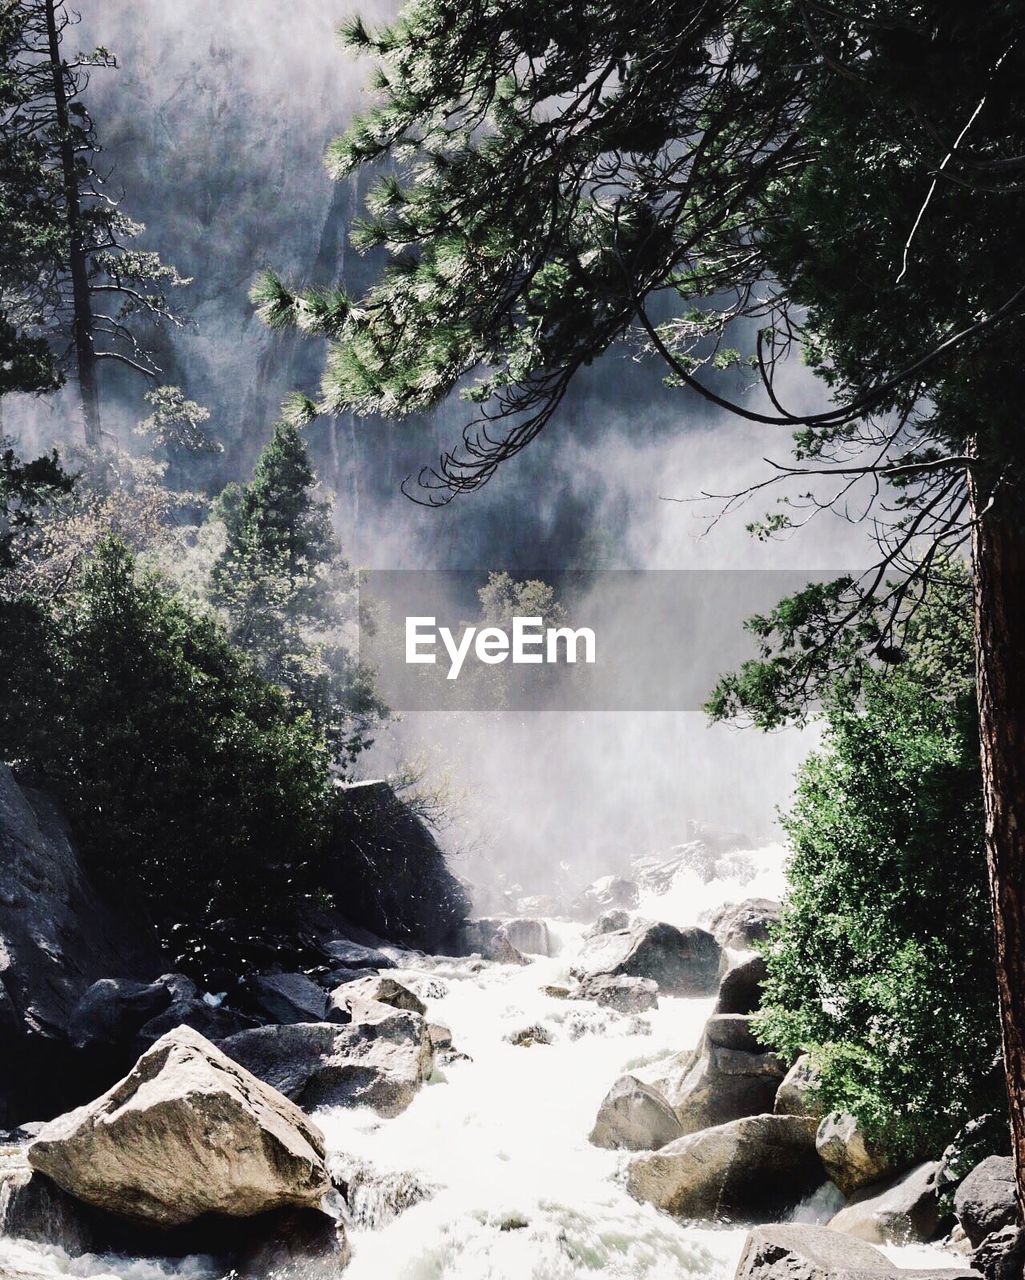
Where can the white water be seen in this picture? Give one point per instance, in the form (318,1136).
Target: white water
(518,1191)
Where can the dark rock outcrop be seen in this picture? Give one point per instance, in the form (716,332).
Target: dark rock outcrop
(986,1200)
(116,1020)
(740,990)
(403,890)
(605,894)
(684,962)
(380,1060)
(58,934)
(1001,1255)
(286,997)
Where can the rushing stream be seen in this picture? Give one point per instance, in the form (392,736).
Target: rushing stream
(493,1155)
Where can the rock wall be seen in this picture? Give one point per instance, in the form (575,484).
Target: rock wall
(58,935)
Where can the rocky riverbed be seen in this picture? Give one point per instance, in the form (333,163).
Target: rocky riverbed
(571,1098)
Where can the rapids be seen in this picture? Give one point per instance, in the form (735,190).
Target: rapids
(497,1142)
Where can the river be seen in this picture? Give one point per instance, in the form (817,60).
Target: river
(498,1141)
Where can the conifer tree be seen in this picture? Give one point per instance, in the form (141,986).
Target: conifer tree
(721,184)
(289,594)
(73,289)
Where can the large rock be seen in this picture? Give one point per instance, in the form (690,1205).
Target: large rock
(380,1060)
(607,893)
(287,997)
(850,1158)
(740,990)
(529,936)
(684,962)
(902,1211)
(378,989)
(739,925)
(744,1169)
(634,1116)
(609,922)
(58,935)
(986,1200)
(1001,1256)
(489,937)
(798,1095)
(405,891)
(116,1020)
(792,1251)
(187,1133)
(616,991)
(34,1208)
(729,1076)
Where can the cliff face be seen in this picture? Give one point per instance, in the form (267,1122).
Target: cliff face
(58,935)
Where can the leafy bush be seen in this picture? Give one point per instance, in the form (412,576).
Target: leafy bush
(186,775)
(882,965)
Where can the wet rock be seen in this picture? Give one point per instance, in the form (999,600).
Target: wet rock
(609,922)
(530,937)
(379,989)
(986,1135)
(186,1133)
(728,1076)
(902,1211)
(527,1036)
(634,1116)
(376,1197)
(619,992)
(294,1244)
(798,1095)
(32,1207)
(380,1060)
(488,937)
(850,1159)
(795,1251)
(58,935)
(287,997)
(412,895)
(441,1037)
(740,990)
(684,962)
(745,1169)
(986,1200)
(605,894)
(1001,1255)
(740,925)
(345,954)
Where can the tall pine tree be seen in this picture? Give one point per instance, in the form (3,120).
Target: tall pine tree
(73,288)
(289,595)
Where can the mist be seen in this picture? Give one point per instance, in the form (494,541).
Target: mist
(231,108)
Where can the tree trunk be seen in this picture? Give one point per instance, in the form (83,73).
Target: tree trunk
(998,549)
(82,323)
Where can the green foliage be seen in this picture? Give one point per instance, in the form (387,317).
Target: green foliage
(187,777)
(58,208)
(882,966)
(25,489)
(288,595)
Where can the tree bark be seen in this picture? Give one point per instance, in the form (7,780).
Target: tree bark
(998,550)
(82,323)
